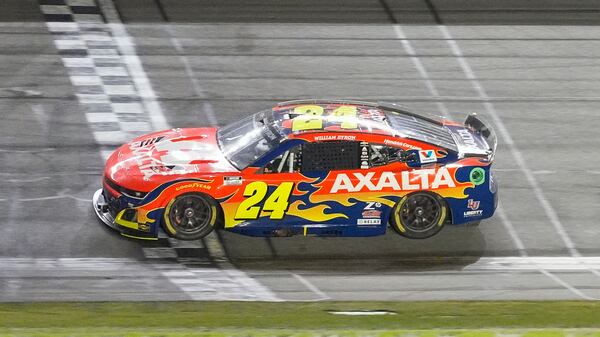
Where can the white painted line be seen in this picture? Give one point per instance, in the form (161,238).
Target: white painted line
(86,80)
(524,262)
(198,90)
(112,71)
(77,62)
(32,180)
(311,287)
(507,138)
(111,137)
(567,285)
(128,108)
(251,289)
(178,274)
(81,3)
(101,117)
(112,89)
(135,126)
(134,66)
(408,48)
(511,230)
(69,44)
(54,197)
(62,26)
(103,53)
(91,98)
(519,158)
(433,91)
(55,9)
(97,37)
(95,18)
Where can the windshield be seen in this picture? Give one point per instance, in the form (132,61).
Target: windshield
(246,140)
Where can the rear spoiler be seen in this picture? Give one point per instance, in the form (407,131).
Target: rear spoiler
(481,126)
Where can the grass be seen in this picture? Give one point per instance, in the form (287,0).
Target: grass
(107,332)
(301,316)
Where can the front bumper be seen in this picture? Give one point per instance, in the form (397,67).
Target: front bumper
(129,228)
(101,208)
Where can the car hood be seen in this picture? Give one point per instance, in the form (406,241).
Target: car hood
(150,160)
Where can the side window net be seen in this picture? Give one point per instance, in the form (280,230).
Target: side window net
(382,155)
(334,155)
(286,162)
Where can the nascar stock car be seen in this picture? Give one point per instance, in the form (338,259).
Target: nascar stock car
(313,168)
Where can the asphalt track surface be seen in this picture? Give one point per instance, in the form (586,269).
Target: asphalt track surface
(531,68)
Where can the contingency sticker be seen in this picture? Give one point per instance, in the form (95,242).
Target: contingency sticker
(232,180)
(427,156)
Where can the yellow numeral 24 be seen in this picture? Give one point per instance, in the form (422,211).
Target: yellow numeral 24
(307,120)
(277,203)
(311,117)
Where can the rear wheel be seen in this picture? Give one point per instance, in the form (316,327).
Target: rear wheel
(191,216)
(419,215)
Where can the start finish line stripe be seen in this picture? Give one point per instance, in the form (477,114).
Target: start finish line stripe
(120,104)
(106,87)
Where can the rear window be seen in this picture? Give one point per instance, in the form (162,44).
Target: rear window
(422,129)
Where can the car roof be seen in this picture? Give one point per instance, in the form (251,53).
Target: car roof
(359,116)
(367,117)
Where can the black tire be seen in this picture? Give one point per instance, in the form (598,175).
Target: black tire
(191,216)
(419,215)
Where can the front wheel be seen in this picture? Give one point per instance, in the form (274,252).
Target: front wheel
(190,216)
(419,215)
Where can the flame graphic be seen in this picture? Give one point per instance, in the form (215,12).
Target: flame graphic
(315,213)
(143,215)
(345,198)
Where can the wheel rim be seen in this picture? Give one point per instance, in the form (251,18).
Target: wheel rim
(190,214)
(420,212)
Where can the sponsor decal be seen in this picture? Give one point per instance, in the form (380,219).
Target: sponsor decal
(470,214)
(143,156)
(403,181)
(147,142)
(368,222)
(157,156)
(232,180)
(427,156)
(371,213)
(372,205)
(400,144)
(193,185)
(477,176)
(364,155)
(473,204)
(334,137)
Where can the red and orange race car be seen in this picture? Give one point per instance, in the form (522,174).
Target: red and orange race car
(318,168)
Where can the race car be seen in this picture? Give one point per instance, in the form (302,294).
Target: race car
(312,168)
